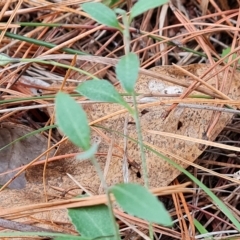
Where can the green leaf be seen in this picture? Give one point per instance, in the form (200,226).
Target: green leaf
(110,2)
(71,238)
(72,120)
(201,229)
(101,14)
(83,238)
(144,5)
(101,90)
(199,226)
(89,153)
(138,201)
(120,11)
(5,59)
(92,222)
(226,51)
(127,71)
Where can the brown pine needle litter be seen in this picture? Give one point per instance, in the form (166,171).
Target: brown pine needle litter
(178,34)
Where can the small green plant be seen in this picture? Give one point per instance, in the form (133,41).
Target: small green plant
(126,195)
(71,119)
(98,222)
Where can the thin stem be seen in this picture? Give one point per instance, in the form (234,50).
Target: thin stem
(110,206)
(126,34)
(139,132)
(143,157)
(151,231)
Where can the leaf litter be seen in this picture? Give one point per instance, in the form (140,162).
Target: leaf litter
(19,153)
(182,121)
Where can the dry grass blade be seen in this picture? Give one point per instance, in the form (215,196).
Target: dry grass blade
(208,143)
(88,201)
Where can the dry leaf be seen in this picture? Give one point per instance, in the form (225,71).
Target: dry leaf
(182,121)
(19,153)
(188,122)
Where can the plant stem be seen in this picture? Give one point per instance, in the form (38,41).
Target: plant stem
(110,206)
(143,157)
(139,132)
